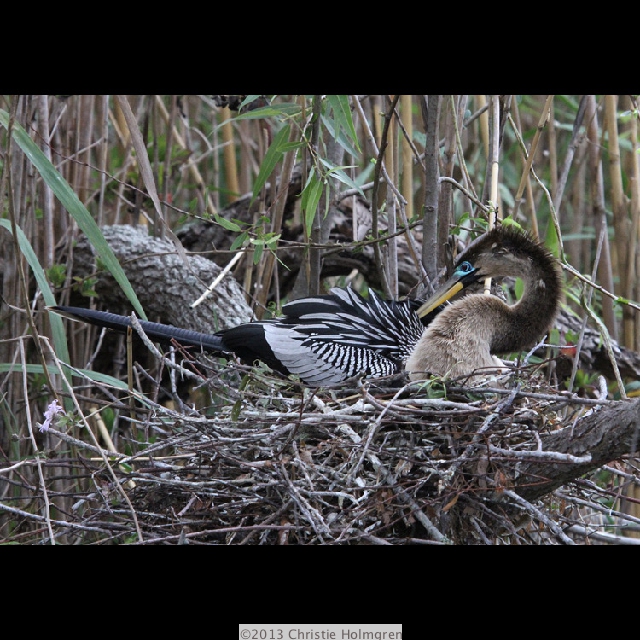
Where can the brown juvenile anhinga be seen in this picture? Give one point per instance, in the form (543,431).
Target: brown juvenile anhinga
(324,339)
(464,338)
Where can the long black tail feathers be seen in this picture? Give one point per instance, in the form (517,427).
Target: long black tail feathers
(164,333)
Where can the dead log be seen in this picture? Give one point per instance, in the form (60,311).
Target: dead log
(166,284)
(605,435)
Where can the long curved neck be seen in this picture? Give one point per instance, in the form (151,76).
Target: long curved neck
(530,318)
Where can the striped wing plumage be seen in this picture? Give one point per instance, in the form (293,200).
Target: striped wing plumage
(328,339)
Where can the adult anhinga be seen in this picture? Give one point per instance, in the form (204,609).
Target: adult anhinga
(465,336)
(328,339)
(324,339)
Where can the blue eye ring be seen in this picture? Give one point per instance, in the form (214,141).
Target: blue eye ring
(465,267)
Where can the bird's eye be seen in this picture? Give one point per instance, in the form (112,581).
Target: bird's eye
(466,267)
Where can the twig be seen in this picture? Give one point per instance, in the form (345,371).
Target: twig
(536,513)
(218,279)
(404,497)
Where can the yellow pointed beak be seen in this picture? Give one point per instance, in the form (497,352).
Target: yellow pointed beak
(447,291)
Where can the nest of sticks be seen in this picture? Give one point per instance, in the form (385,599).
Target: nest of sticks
(266,461)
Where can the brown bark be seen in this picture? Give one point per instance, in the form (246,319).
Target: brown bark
(606,435)
(165,284)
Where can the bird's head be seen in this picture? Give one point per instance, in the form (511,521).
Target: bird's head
(503,251)
(509,251)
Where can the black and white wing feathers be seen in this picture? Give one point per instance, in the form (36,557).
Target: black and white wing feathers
(329,338)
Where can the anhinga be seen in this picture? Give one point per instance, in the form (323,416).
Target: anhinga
(327,339)
(465,336)
(324,339)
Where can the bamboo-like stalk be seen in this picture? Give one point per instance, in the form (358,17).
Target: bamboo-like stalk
(248,278)
(628,272)
(116,117)
(467,183)
(369,142)
(481,103)
(495,160)
(553,150)
(576,249)
(544,117)
(159,177)
(529,190)
(380,169)
(445,211)
(47,194)
(214,183)
(246,156)
(103,156)
(406,107)
(145,171)
(376,119)
(634,261)
(621,222)
(230,166)
(278,205)
(452,154)
(431,119)
(391,160)
(308,279)
(605,271)
(140,141)
(120,126)
(194,172)
(61,501)
(405,205)
(496,132)
(576,139)
(13,324)
(85,123)
(166,188)
(494,164)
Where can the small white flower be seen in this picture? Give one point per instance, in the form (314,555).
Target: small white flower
(52,411)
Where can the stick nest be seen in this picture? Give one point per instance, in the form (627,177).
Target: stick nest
(270,462)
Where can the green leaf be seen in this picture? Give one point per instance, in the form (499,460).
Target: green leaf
(6,367)
(509,221)
(239,241)
(341,175)
(57,274)
(338,134)
(291,146)
(271,240)
(271,159)
(247,100)
(309,199)
(57,326)
(284,109)
(227,224)
(72,204)
(257,252)
(551,241)
(519,288)
(343,119)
